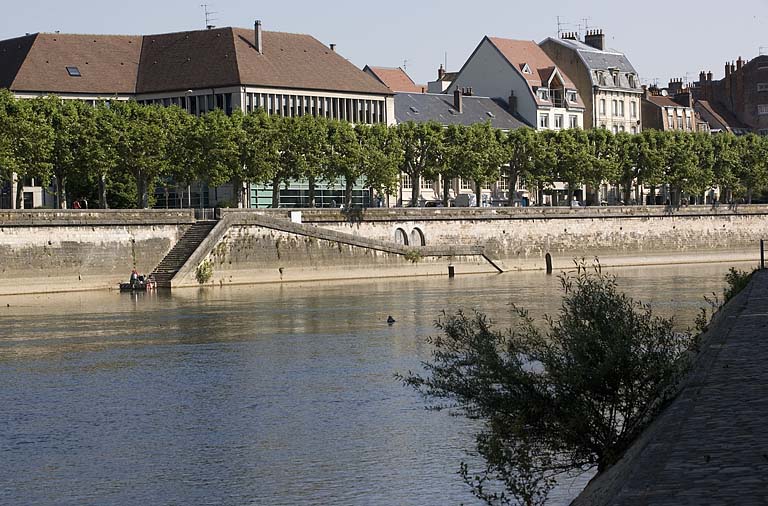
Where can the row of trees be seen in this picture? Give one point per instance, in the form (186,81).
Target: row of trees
(117,152)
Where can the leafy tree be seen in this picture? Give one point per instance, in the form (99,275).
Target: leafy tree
(142,146)
(483,155)
(625,153)
(753,171)
(422,145)
(606,162)
(682,165)
(563,400)
(453,165)
(705,155)
(725,167)
(99,153)
(26,142)
(306,151)
(261,147)
(215,150)
(522,150)
(346,155)
(575,159)
(382,158)
(651,159)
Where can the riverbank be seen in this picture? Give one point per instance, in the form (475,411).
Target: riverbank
(48,251)
(709,445)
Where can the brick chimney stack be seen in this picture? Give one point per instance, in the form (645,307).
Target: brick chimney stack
(595,38)
(457,100)
(709,75)
(727,69)
(739,63)
(257,39)
(569,36)
(675,86)
(440,72)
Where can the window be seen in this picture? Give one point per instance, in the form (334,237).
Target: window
(762,86)
(407,184)
(503,183)
(615,107)
(572,97)
(466,184)
(527,69)
(670,120)
(621,108)
(73,72)
(615,129)
(426,184)
(601,78)
(633,109)
(621,128)
(633,130)
(616,79)
(543,93)
(763,131)
(486,186)
(544,121)
(558,121)
(762,109)
(574,121)
(688,123)
(602,106)
(631,79)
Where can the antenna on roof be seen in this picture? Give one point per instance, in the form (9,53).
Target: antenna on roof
(446,61)
(586,24)
(405,64)
(209,19)
(559,27)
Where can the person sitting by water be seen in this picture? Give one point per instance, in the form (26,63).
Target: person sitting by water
(134,277)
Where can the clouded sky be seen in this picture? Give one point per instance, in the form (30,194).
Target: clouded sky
(661,39)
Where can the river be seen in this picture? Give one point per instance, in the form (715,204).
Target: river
(258,395)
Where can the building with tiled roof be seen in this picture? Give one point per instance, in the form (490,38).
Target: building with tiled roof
(609,84)
(443,81)
(396,79)
(284,74)
(522,75)
(229,68)
(670,108)
(739,101)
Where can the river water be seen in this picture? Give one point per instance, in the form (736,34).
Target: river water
(259,395)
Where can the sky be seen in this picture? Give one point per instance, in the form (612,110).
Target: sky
(663,40)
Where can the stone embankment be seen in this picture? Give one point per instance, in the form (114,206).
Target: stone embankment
(43,251)
(710,445)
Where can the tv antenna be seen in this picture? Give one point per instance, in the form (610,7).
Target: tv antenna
(559,27)
(405,64)
(209,19)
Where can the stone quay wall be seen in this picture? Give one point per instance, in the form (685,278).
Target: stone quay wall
(68,250)
(521,238)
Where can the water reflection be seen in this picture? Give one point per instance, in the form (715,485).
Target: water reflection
(254,395)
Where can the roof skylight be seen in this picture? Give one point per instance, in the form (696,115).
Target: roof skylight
(73,72)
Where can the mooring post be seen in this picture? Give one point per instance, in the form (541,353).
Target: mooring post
(451,272)
(548,259)
(762,254)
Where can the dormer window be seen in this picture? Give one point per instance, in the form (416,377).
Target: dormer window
(526,69)
(631,79)
(601,78)
(73,72)
(617,79)
(572,97)
(543,93)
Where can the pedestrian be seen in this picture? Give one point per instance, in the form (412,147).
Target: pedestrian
(76,204)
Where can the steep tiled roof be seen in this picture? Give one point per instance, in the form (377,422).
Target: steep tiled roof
(177,61)
(38,63)
(663,101)
(719,118)
(395,79)
(423,107)
(292,60)
(522,52)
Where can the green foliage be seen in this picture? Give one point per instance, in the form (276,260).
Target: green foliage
(736,281)
(413,255)
(204,272)
(422,147)
(563,400)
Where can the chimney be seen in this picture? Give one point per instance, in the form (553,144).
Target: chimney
(727,69)
(568,35)
(739,63)
(512,103)
(709,75)
(675,86)
(595,38)
(440,72)
(702,76)
(457,100)
(333,47)
(258,40)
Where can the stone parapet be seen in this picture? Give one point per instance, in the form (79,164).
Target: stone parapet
(94,217)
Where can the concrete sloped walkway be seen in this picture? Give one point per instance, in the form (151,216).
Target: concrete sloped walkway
(710,445)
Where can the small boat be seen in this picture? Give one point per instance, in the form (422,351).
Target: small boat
(139,286)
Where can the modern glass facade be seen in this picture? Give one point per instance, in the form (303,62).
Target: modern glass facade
(297,195)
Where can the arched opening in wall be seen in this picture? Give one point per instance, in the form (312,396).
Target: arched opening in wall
(401,237)
(417,237)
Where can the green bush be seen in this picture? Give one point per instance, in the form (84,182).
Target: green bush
(204,272)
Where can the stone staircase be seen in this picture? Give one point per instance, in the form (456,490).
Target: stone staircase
(181,252)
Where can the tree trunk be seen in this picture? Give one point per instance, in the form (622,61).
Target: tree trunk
(275,192)
(540,193)
(142,190)
(446,190)
(627,193)
(103,192)
(61,192)
(512,182)
(349,183)
(415,189)
(20,193)
(653,195)
(312,186)
(478,194)
(237,187)
(570,195)
(749,195)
